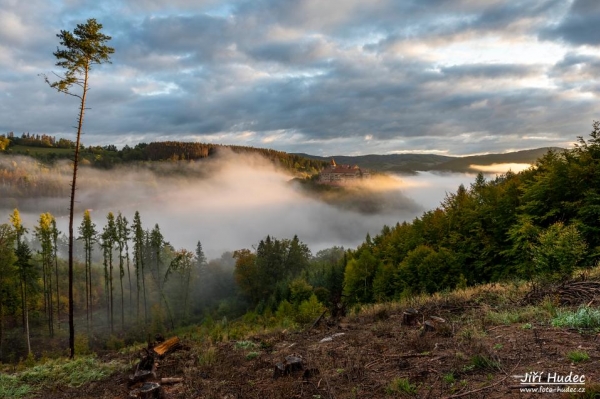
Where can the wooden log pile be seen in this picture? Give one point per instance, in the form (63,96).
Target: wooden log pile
(570,293)
(144,381)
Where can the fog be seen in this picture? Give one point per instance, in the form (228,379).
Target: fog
(229,202)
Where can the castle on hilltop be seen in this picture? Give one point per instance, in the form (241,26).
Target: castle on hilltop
(336,174)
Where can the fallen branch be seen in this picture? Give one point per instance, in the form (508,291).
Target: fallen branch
(318,320)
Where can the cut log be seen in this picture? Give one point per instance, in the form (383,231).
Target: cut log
(166,347)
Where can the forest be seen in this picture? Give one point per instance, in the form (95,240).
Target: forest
(540,225)
(47,149)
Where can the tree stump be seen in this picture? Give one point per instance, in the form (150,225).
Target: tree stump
(291,364)
(148,390)
(410,317)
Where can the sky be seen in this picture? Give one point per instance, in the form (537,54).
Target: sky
(349,77)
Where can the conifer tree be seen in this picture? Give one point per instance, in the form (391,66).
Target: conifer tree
(109,237)
(87,231)
(138,259)
(83,48)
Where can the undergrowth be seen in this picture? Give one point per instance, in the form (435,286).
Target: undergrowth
(56,373)
(584,317)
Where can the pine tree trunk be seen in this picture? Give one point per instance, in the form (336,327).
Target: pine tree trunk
(129,277)
(144,288)
(26,318)
(110,288)
(57,291)
(71,214)
(122,303)
(87,287)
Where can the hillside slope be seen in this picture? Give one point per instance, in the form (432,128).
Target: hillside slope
(411,163)
(490,336)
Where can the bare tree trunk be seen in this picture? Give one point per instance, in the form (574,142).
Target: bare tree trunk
(1,328)
(57,291)
(122,303)
(129,277)
(144,289)
(90,290)
(26,318)
(71,214)
(50,301)
(87,287)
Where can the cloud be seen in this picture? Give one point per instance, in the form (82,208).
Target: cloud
(579,26)
(308,75)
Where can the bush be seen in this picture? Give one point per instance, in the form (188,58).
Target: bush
(285,310)
(578,356)
(309,310)
(300,290)
(114,343)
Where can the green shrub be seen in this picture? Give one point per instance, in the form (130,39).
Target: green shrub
(584,317)
(401,385)
(114,343)
(55,374)
(285,310)
(300,290)
(578,356)
(82,345)
(309,310)
(245,345)
(11,387)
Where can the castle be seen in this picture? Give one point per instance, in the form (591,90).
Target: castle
(336,174)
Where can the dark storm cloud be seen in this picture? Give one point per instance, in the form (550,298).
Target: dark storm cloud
(580,25)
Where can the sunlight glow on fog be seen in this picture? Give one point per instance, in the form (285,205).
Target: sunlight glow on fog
(233,201)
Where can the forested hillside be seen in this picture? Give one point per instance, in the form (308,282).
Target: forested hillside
(48,149)
(543,222)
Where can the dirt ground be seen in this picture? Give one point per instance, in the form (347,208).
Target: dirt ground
(376,356)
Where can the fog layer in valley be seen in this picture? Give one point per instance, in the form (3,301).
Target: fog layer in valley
(229,202)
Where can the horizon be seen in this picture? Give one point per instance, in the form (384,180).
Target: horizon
(408,152)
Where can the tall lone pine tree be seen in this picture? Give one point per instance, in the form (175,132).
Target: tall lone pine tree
(82,49)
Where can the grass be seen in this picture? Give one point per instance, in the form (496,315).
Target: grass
(584,317)
(208,356)
(245,345)
(402,386)
(519,315)
(482,362)
(578,356)
(54,374)
(449,378)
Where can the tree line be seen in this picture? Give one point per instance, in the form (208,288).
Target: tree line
(128,280)
(109,156)
(541,223)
